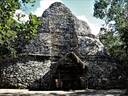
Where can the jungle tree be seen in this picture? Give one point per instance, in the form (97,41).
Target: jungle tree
(13,34)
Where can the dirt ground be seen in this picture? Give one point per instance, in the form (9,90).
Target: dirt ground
(88,92)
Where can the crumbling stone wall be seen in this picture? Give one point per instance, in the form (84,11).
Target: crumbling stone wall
(60,33)
(22,72)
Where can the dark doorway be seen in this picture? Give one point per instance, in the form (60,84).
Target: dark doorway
(67,77)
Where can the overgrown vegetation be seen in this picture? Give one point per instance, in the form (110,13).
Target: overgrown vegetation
(14,35)
(114,34)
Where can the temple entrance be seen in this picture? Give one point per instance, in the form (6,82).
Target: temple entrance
(69,73)
(67,77)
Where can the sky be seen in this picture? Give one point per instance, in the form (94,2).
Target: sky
(82,9)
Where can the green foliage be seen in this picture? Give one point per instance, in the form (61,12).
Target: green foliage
(14,35)
(116,40)
(111,10)
(28,1)
(113,44)
(100,7)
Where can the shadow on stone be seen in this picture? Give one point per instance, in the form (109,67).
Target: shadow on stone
(68,73)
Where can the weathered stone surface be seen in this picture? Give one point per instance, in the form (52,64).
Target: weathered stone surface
(60,33)
(21,74)
(62,28)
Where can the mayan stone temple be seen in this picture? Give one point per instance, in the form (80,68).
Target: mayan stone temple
(64,55)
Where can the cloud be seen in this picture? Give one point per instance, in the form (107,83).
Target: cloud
(20,16)
(94,28)
(44,4)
